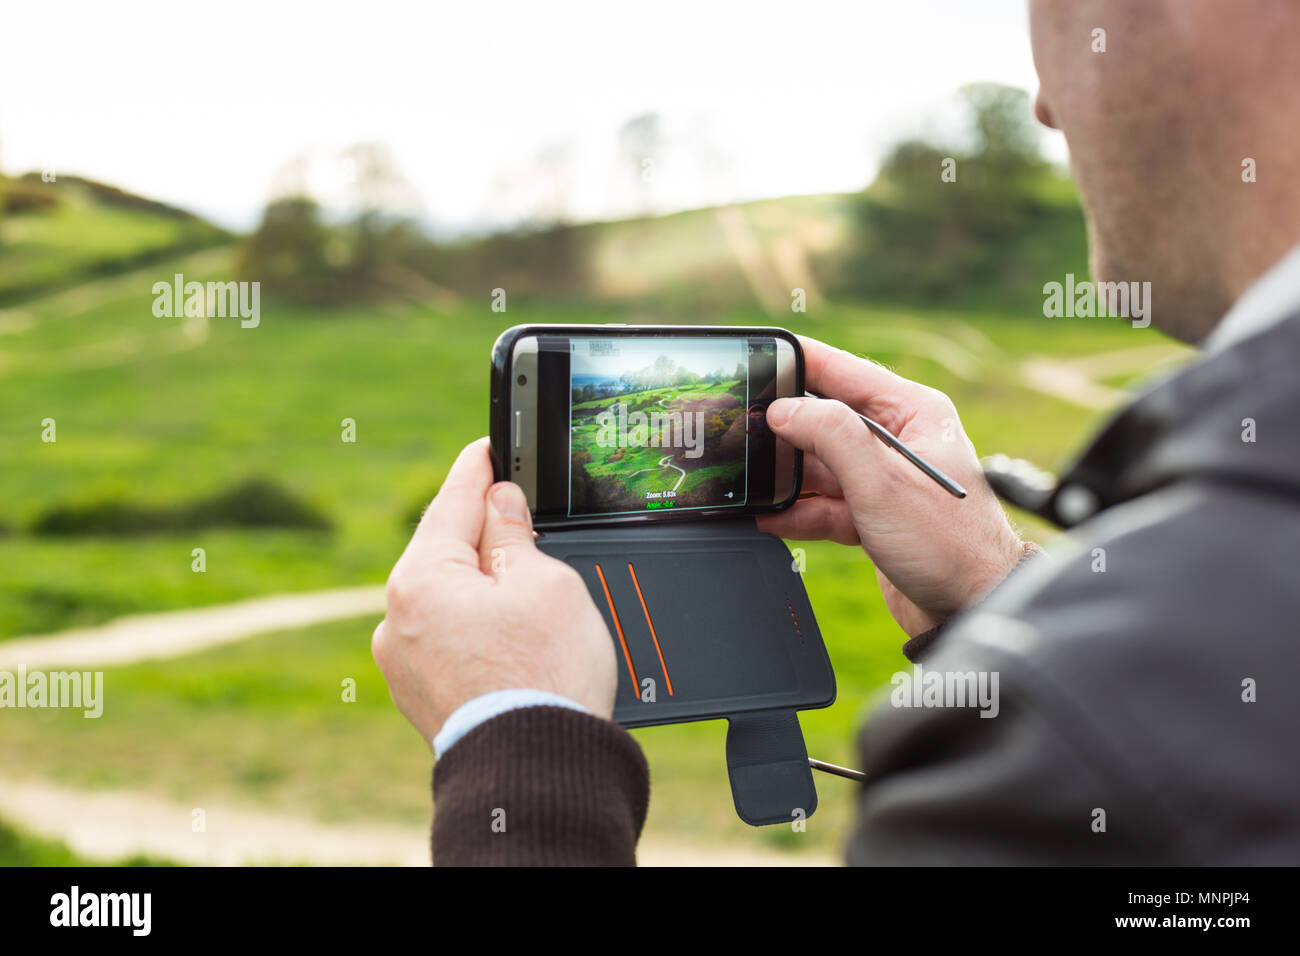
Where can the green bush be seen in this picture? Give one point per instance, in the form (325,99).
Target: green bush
(990,237)
(20,196)
(254,503)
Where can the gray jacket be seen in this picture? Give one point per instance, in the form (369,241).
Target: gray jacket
(1148,668)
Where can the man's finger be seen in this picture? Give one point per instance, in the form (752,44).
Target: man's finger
(507,528)
(817,478)
(834,433)
(858,382)
(813,519)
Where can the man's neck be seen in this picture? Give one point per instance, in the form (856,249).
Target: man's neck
(1273,297)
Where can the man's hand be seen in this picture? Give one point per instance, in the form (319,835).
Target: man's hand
(934,553)
(474,607)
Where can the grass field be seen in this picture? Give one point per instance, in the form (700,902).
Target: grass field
(152,411)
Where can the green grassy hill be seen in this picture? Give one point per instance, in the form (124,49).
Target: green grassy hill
(54,235)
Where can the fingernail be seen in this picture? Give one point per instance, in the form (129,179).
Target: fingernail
(509,501)
(782,410)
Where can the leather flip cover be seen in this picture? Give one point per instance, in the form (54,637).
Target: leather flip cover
(710,620)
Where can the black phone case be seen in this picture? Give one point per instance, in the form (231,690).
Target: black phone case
(709,619)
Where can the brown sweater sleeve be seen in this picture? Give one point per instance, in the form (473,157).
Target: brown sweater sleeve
(540,786)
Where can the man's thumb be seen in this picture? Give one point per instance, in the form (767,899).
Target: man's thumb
(507,526)
(830,430)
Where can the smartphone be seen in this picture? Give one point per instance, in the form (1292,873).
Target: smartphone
(614,424)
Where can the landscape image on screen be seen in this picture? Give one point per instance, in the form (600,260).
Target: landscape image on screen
(656,423)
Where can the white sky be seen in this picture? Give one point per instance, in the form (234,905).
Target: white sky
(199,104)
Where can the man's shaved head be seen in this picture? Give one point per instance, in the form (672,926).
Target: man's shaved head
(1159,126)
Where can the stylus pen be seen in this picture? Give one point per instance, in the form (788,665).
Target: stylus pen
(879,430)
(837,770)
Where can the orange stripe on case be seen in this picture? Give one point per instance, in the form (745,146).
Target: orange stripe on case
(618,626)
(653,636)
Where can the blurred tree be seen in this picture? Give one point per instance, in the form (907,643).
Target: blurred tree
(551,183)
(292,180)
(1005,135)
(544,255)
(986,222)
(4,195)
(376,252)
(290,253)
(384,201)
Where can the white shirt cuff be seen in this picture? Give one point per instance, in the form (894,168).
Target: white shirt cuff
(486,706)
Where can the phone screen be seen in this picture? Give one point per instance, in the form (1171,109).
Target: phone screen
(630,424)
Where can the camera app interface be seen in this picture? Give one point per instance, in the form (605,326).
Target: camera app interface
(659,423)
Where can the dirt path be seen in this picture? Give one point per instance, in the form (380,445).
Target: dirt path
(1081,380)
(114,824)
(754,264)
(1060,380)
(665,462)
(177,633)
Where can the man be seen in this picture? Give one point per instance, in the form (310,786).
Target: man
(1147,712)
